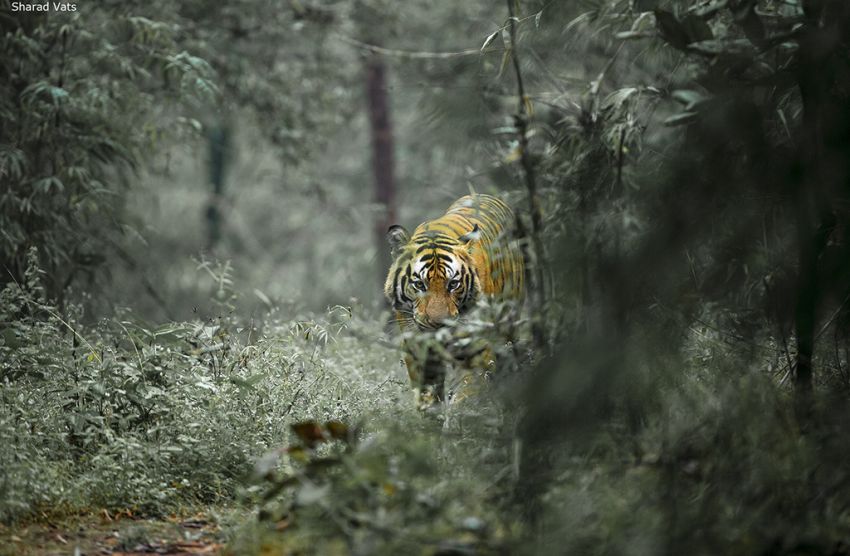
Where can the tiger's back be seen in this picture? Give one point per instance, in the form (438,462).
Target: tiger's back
(494,253)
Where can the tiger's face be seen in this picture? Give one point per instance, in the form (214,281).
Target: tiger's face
(432,281)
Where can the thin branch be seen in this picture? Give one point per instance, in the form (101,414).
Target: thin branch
(620,160)
(426,55)
(832,318)
(410,54)
(521,123)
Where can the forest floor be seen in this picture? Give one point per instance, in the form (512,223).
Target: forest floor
(120,535)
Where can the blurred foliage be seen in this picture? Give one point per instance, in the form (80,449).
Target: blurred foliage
(702,210)
(395,490)
(79,101)
(274,67)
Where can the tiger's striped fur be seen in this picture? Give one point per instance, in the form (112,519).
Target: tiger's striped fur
(440,270)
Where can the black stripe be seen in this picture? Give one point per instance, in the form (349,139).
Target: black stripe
(431,235)
(401,299)
(437,245)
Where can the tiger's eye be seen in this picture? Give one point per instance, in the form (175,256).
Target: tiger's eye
(453,285)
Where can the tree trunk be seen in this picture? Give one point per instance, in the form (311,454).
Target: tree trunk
(805,311)
(219,144)
(382,157)
(826,128)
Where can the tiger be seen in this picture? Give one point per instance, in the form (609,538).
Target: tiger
(440,271)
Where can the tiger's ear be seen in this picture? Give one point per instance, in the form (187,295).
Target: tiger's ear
(472,235)
(397,237)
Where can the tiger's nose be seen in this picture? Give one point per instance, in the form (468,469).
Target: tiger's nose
(442,320)
(437,313)
(429,322)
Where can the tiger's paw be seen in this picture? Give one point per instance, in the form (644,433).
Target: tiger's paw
(426,399)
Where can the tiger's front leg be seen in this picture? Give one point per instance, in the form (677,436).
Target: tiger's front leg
(474,360)
(426,368)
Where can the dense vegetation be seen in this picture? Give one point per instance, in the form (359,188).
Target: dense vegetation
(190,313)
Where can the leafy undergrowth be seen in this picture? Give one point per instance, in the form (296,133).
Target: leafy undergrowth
(305,432)
(147,421)
(124,416)
(401,489)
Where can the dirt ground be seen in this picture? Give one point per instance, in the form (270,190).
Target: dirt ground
(114,535)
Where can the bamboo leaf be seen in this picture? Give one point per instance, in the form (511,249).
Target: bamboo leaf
(680,119)
(490,38)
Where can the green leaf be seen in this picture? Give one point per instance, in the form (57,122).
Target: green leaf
(10,338)
(247,383)
(264,298)
(44,185)
(688,97)
(12,162)
(619,97)
(718,46)
(490,38)
(681,119)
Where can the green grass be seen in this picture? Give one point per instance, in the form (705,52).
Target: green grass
(123,415)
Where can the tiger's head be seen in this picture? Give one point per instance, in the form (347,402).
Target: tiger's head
(432,280)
